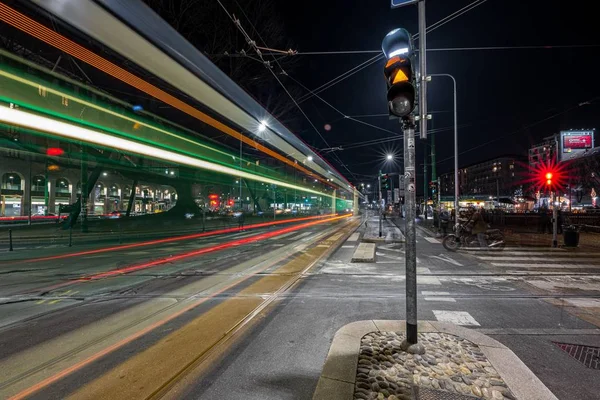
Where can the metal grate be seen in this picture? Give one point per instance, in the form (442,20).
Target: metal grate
(587,355)
(432,394)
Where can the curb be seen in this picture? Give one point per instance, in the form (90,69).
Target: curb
(365,252)
(339,371)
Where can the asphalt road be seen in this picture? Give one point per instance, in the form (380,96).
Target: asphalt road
(282,357)
(254,319)
(67,320)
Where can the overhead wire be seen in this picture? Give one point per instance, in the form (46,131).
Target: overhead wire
(580,104)
(252,43)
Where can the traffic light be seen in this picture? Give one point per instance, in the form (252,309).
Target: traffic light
(385,181)
(549,178)
(398,71)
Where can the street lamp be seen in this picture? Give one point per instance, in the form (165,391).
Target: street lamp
(390,157)
(309,158)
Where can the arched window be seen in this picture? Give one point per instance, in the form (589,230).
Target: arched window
(11,181)
(62,186)
(38,183)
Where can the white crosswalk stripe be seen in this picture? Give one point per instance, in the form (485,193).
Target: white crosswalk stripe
(537,257)
(455,317)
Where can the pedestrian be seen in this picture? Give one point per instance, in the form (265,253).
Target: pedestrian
(559,222)
(444,221)
(479,228)
(241,221)
(543,221)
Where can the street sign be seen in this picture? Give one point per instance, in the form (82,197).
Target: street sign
(402,3)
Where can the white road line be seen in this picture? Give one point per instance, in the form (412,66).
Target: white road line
(432,240)
(300,236)
(428,280)
(524,249)
(283,236)
(455,317)
(541,259)
(428,293)
(278,244)
(354,237)
(545,265)
(448,259)
(351,246)
(444,299)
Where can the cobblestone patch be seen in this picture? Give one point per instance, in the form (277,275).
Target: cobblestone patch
(450,363)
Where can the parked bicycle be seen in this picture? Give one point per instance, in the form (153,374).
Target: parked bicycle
(463,237)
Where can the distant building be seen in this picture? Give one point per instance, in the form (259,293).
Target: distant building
(543,153)
(485,182)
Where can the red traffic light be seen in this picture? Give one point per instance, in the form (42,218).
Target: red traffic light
(55,151)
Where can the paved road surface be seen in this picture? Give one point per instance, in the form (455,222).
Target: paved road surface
(254,320)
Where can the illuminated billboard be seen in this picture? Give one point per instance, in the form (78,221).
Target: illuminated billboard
(575,142)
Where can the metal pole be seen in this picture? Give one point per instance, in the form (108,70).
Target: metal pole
(456,182)
(425,181)
(10,246)
(423,69)
(29,195)
(46,191)
(554,221)
(84,190)
(70,235)
(380,207)
(411,236)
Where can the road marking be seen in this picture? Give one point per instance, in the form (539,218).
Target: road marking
(444,299)
(432,240)
(541,259)
(322,245)
(283,236)
(455,317)
(447,258)
(546,265)
(137,253)
(300,236)
(278,244)
(428,293)
(348,246)
(354,237)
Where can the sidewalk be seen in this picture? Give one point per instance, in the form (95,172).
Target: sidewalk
(365,361)
(390,232)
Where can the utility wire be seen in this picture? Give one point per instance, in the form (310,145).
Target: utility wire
(253,44)
(580,104)
(379,56)
(442,49)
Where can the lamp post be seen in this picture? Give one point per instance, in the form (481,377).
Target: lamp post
(456,184)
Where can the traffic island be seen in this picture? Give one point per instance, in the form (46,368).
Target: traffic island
(390,233)
(366,361)
(365,252)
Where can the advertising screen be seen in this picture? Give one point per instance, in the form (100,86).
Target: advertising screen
(577,142)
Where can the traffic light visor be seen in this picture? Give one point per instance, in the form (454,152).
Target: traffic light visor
(401,99)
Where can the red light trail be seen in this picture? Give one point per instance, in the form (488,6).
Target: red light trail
(171,239)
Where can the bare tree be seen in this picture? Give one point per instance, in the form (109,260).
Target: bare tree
(208,26)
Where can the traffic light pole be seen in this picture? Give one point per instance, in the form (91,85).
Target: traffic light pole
(423,70)
(380,206)
(410,343)
(554,221)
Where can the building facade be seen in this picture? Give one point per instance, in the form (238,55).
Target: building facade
(490,180)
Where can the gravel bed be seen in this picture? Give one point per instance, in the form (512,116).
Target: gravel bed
(450,363)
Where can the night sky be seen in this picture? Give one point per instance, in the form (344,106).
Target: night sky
(501,94)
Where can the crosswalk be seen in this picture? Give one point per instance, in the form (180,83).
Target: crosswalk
(537,258)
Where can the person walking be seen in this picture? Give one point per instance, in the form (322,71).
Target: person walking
(444,221)
(479,228)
